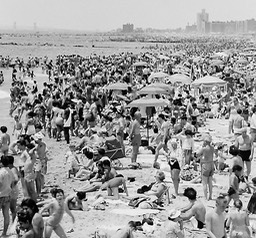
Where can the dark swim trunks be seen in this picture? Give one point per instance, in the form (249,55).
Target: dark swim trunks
(200,225)
(245,155)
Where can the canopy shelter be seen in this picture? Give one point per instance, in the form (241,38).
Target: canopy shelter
(179,78)
(144,103)
(208,82)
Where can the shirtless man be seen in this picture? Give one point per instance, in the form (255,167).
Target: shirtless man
(163,135)
(207,165)
(41,162)
(215,219)
(135,136)
(194,208)
(5,140)
(244,143)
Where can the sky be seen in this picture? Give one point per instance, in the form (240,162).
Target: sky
(106,15)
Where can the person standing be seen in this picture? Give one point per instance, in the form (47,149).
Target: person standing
(67,123)
(244,143)
(135,136)
(253,124)
(6,180)
(215,219)
(207,165)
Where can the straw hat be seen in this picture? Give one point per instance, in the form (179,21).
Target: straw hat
(172,214)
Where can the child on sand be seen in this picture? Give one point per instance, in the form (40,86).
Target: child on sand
(73,164)
(57,208)
(5,140)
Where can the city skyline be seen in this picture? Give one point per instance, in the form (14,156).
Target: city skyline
(107,15)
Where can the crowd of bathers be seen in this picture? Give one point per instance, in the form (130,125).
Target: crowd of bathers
(76,104)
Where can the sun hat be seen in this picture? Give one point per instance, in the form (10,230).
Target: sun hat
(173,213)
(207,137)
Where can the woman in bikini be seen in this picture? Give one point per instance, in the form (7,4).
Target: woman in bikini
(57,208)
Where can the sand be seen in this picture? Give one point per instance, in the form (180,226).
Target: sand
(87,222)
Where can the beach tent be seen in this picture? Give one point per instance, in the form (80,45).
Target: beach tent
(208,82)
(179,78)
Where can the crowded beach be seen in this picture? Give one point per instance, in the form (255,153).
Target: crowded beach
(155,144)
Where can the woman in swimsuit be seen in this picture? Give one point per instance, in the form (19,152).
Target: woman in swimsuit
(239,222)
(57,208)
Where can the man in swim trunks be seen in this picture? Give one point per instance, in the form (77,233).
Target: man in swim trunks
(244,143)
(5,140)
(194,209)
(207,165)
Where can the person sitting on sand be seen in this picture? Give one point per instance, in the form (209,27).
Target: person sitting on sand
(155,193)
(112,187)
(57,208)
(234,181)
(74,201)
(173,227)
(195,208)
(239,222)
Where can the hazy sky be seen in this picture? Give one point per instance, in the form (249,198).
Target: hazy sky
(111,14)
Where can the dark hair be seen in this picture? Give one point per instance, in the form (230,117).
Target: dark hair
(237,168)
(22,142)
(28,202)
(254,180)
(161,116)
(239,111)
(190,193)
(53,191)
(233,150)
(5,160)
(57,190)
(3,129)
(155,129)
(238,204)
(101,151)
(106,163)
(81,195)
(24,216)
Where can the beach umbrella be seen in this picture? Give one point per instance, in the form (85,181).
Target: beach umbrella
(179,78)
(159,75)
(152,90)
(148,102)
(242,61)
(117,86)
(250,49)
(161,85)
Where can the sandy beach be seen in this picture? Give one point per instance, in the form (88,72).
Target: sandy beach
(118,213)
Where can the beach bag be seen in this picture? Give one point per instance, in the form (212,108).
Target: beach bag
(135,202)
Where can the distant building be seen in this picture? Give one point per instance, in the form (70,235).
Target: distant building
(201,20)
(217,27)
(128,28)
(191,28)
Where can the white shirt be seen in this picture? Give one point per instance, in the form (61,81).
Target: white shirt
(6,179)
